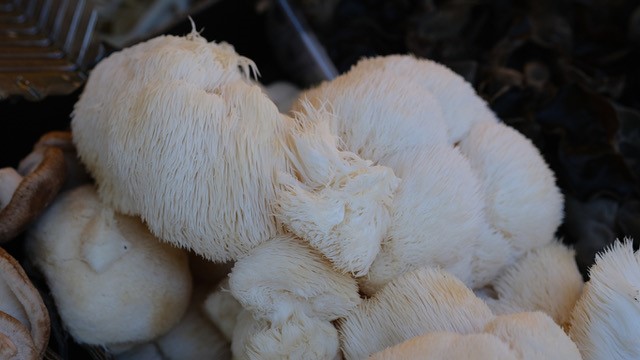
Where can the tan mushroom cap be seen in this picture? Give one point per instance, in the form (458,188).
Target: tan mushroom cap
(15,340)
(35,192)
(39,326)
(76,173)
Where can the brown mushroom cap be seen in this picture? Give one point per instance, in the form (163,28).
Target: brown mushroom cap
(35,192)
(15,340)
(76,173)
(37,314)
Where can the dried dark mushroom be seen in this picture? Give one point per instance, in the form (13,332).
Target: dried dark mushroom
(76,173)
(36,190)
(19,340)
(15,340)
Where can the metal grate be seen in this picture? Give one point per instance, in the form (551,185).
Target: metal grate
(46,46)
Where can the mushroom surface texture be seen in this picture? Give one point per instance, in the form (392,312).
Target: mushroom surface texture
(114,284)
(438,189)
(533,336)
(298,338)
(604,323)
(521,197)
(544,279)
(172,130)
(337,201)
(193,338)
(460,105)
(285,275)
(411,305)
(448,346)
(430,127)
(15,341)
(24,319)
(32,195)
(377,114)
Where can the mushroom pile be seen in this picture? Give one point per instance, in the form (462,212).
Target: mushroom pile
(389,213)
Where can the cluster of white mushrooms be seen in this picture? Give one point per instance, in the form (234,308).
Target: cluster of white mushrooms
(391,215)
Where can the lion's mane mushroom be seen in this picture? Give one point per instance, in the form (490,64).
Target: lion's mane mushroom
(171,130)
(460,105)
(447,346)
(113,283)
(438,189)
(382,100)
(31,196)
(284,275)
(410,305)
(522,199)
(533,336)
(337,201)
(604,323)
(544,279)
(24,319)
(376,114)
(299,337)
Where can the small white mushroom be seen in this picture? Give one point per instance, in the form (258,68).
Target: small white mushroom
(545,279)
(338,202)
(448,346)
(605,321)
(284,275)
(413,304)
(193,338)
(533,336)
(299,337)
(222,309)
(113,283)
(522,199)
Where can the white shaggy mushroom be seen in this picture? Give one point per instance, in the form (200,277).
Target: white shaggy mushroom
(448,346)
(461,106)
(172,131)
(413,304)
(285,275)
(522,199)
(437,220)
(605,323)
(533,336)
(396,107)
(338,202)
(298,338)
(545,279)
(114,284)
(377,114)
